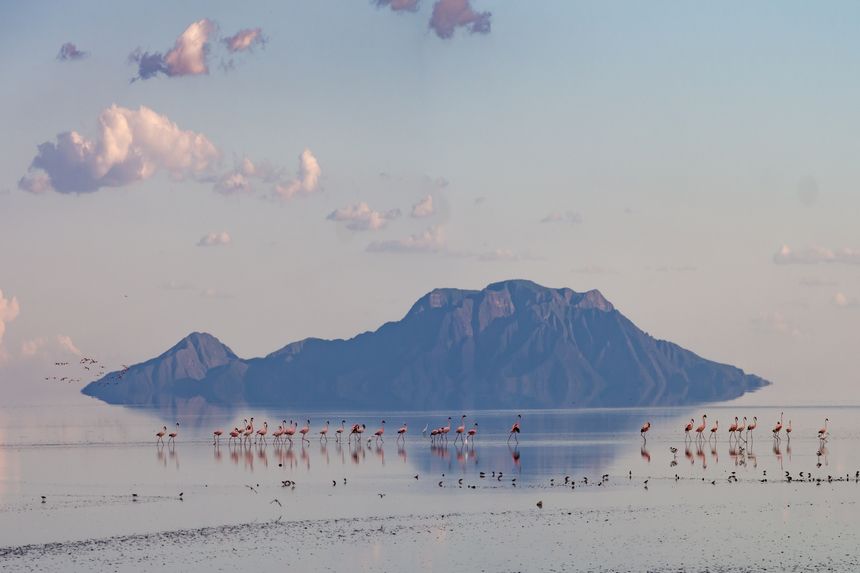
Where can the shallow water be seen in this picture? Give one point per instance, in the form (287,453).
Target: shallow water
(89,459)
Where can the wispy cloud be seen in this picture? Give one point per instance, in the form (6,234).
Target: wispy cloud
(431,240)
(569,217)
(360,217)
(398,5)
(69,52)
(244,40)
(423,208)
(188,57)
(132,146)
(9,311)
(216,239)
(776,322)
(842,300)
(814,255)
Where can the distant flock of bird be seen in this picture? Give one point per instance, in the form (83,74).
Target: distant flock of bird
(247,433)
(738,431)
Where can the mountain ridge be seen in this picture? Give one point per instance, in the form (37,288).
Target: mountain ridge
(512,344)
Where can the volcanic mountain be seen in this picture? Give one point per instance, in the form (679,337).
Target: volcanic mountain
(514,344)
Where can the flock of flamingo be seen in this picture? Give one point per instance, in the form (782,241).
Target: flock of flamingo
(738,431)
(247,434)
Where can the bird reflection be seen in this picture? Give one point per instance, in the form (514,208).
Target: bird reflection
(700,453)
(777,451)
(324,450)
(515,456)
(401,451)
(646,455)
(159,455)
(217,453)
(688,453)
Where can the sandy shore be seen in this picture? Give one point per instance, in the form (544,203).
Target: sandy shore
(724,536)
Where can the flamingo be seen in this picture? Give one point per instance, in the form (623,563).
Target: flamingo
(304,432)
(823,432)
(249,431)
(644,430)
(172,435)
(688,428)
(733,428)
(515,429)
(715,429)
(741,427)
(339,432)
(216,437)
(276,435)
(378,433)
(263,431)
(401,433)
(701,428)
(324,432)
(788,431)
(434,433)
(291,431)
(473,431)
(160,435)
(778,427)
(234,434)
(752,427)
(445,429)
(461,429)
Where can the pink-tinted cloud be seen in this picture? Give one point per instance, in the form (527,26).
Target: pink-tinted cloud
(244,40)
(448,15)
(216,239)
(360,217)
(188,57)
(431,240)
(399,5)
(306,181)
(9,311)
(814,255)
(132,145)
(423,208)
(69,52)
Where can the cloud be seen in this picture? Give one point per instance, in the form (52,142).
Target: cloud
(448,15)
(132,145)
(244,40)
(240,179)
(432,240)
(566,217)
(32,347)
(360,217)
(842,300)
(398,5)
(814,255)
(66,343)
(423,208)
(215,239)
(776,322)
(69,52)
(59,343)
(187,57)
(504,255)
(9,311)
(307,178)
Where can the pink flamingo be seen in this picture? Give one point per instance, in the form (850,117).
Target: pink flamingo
(378,433)
(473,431)
(249,431)
(276,435)
(461,429)
(434,433)
(324,432)
(714,430)
(160,435)
(445,429)
(701,428)
(644,430)
(741,427)
(788,431)
(216,437)
(261,433)
(172,435)
(824,432)
(688,428)
(291,431)
(778,427)
(234,435)
(339,431)
(401,433)
(733,428)
(304,432)
(752,427)
(515,429)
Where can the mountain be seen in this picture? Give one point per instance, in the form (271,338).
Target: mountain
(514,344)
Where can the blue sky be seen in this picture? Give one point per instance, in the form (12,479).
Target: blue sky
(664,153)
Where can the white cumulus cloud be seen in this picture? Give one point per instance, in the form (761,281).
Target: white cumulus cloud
(360,217)
(306,181)
(188,57)
(423,208)
(132,145)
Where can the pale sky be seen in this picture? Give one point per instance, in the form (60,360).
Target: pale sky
(310,168)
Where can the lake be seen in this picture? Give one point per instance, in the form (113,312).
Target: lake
(112,496)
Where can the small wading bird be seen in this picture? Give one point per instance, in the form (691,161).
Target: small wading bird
(515,430)
(644,430)
(172,435)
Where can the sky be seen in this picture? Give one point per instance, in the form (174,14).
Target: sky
(279,170)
